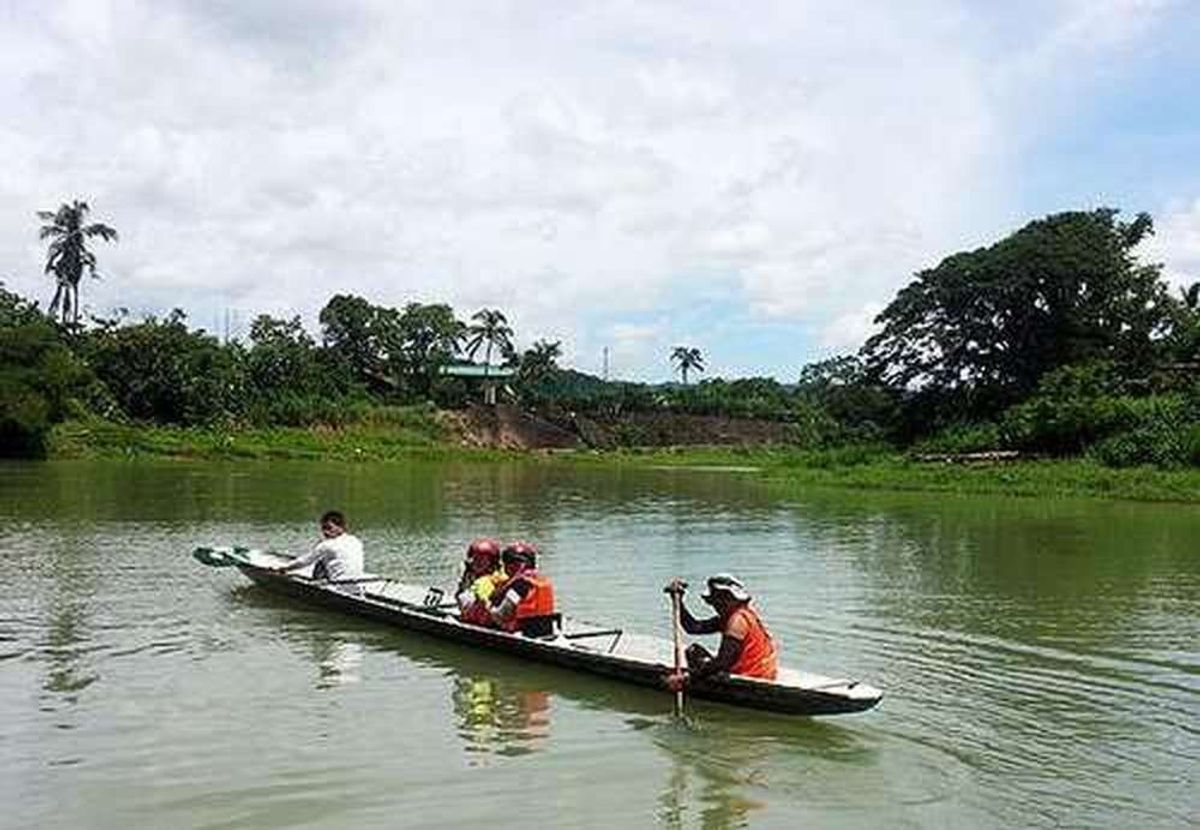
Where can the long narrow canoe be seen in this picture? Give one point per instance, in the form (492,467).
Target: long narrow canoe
(611,652)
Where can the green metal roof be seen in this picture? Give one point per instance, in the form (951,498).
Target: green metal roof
(474,371)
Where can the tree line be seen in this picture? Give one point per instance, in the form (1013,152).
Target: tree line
(160,370)
(1056,339)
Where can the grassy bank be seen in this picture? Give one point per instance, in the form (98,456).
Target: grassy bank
(879,469)
(406,434)
(420,433)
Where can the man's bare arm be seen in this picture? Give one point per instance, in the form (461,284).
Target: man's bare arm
(694,626)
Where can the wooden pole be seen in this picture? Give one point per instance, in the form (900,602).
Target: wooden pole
(675,589)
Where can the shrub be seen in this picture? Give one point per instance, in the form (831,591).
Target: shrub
(24,421)
(1164,432)
(160,371)
(39,376)
(1074,407)
(811,426)
(962,438)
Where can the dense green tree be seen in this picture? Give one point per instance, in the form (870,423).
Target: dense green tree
(1183,350)
(984,326)
(67,256)
(490,328)
(389,350)
(429,337)
(38,376)
(351,329)
(841,370)
(283,357)
(158,370)
(689,359)
(15,310)
(842,387)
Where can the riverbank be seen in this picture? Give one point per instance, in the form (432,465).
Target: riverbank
(868,469)
(420,434)
(407,435)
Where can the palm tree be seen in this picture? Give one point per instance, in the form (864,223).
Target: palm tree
(688,358)
(492,329)
(540,360)
(68,256)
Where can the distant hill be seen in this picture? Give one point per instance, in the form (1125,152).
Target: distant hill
(569,382)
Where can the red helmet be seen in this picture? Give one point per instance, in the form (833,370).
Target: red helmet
(520,552)
(483,549)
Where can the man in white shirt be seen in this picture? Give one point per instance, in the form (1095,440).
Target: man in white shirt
(337,556)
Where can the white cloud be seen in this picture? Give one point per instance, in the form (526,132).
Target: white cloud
(632,333)
(1176,243)
(745,239)
(557,161)
(850,330)
(631,347)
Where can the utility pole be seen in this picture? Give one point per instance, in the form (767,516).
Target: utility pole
(606,364)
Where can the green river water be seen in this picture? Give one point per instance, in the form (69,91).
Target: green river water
(1040,658)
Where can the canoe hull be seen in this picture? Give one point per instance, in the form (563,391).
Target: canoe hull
(588,653)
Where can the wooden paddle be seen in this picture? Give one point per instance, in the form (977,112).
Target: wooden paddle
(675,589)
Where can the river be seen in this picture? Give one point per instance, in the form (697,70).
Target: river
(1040,658)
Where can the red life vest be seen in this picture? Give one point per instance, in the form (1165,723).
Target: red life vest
(476,613)
(758,658)
(537,602)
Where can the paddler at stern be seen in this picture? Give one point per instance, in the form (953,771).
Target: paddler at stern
(746,646)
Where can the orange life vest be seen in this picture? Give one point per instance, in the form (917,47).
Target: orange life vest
(538,602)
(758,658)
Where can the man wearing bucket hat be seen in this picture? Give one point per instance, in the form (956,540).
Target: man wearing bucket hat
(746,646)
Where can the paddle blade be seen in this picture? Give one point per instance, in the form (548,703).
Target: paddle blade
(213,557)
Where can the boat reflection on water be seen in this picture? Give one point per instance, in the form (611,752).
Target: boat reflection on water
(339,662)
(496,718)
(721,801)
(725,766)
(712,780)
(337,650)
(721,763)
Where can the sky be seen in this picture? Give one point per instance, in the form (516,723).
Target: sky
(753,179)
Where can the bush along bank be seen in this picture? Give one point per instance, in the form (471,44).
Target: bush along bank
(875,467)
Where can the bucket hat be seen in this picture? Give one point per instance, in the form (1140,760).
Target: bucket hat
(727,584)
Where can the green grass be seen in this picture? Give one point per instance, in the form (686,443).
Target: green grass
(876,468)
(399,434)
(385,436)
